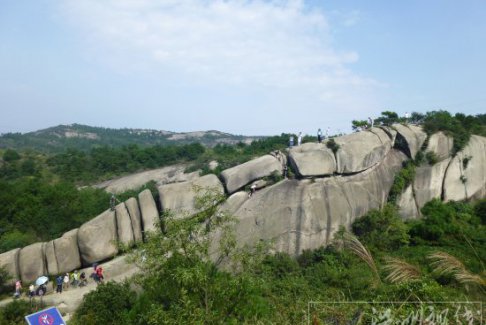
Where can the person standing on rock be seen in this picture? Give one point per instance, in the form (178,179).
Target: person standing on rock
(252,190)
(371,122)
(99,274)
(18,288)
(299,139)
(319,135)
(59,281)
(291,141)
(66,281)
(75,277)
(113,201)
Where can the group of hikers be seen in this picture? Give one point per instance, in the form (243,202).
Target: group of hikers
(320,137)
(75,279)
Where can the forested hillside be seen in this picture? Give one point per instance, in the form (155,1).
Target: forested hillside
(84,137)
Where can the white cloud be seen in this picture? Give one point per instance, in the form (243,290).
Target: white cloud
(270,43)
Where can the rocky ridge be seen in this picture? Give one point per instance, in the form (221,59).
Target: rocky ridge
(334,188)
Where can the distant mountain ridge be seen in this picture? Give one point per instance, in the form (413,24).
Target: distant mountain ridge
(84,137)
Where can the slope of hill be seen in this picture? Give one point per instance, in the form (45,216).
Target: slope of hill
(84,137)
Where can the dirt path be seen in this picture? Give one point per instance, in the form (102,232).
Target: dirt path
(115,270)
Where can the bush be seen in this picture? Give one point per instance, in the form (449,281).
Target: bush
(110,303)
(431,157)
(402,180)
(14,313)
(382,229)
(331,144)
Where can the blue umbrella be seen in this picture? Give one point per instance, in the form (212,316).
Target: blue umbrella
(41,280)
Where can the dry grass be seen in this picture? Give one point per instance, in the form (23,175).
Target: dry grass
(356,247)
(400,271)
(446,264)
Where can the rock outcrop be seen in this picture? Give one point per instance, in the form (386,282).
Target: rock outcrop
(67,252)
(135,217)
(466,175)
(237,177)
(31,262)
(50,256)
(300,215)
(362,150)
(10,262)
(312,159)
(441,145)
(407,207)
(148,209)
(97,238)
(181,197)
(412,137)
(428,182)
(124,225)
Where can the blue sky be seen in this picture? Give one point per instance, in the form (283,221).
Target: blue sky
(244,67)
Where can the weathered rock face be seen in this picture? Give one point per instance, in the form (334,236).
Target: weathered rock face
(97,238)
(10,261)
(31,262)
(466,175)
(234,202)
(428,182)
(440,144)
(312,159)
(238,176)
(67,252)
(412,135)
(362,150)
(50,256)
(124,225)
(302,215)
(407,207)
(180,197)
(165,175)
(135,217)
(148,208)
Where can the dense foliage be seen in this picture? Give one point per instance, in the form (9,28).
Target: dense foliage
(248,286)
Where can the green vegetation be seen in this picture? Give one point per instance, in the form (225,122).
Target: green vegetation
(331,144)
(459,127)
(402,180)
(387,260)
(85,138)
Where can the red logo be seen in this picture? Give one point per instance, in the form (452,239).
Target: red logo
(46,319)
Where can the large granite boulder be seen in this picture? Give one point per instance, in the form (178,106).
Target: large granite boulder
(135,217)
(440,144)
(234,202)
(410,137)
(10,262)
(180,198)
(97,238)
(148,209)
(362,150)
(298,215)
(31,262)
(51,259)
(407,207)
(312,159)
(241,175)
(428,182)
(67,252)
(466,175)
(124,225)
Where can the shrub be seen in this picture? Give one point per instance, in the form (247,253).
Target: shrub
(431,157)
(382,229)
(331,144)
(110,303)
(403,179)
(14,312)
